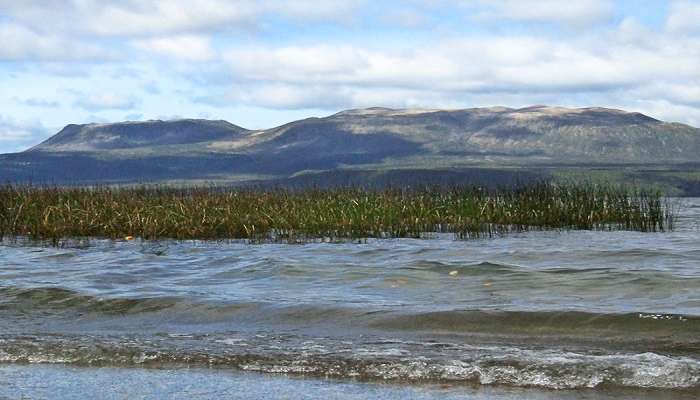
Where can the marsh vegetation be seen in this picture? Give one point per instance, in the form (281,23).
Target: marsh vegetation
(55,213)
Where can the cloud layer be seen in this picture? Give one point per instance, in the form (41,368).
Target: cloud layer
(259,63)
(576,13)
(18,135)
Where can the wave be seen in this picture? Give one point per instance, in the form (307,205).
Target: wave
(55,298)
(45,304)
(379,360)
(491,268)
(641,331)
(586,281)
(663,332)
(478,268)
(500,322)
(556,350)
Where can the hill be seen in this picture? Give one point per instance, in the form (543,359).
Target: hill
(369,145)
(129,135)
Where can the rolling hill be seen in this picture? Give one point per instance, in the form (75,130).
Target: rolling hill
(372,146)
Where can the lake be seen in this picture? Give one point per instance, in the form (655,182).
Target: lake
(544,315)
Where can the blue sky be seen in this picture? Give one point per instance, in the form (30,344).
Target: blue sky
(259,64)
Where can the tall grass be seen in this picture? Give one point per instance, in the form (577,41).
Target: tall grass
(46,213)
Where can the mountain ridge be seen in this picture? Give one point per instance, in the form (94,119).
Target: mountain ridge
(581,133)
(97,136)
(370,139)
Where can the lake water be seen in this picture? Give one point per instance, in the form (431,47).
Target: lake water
(544,315)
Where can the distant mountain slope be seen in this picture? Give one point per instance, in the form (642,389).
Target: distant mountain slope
(548,133)
(537,138)
(128,135)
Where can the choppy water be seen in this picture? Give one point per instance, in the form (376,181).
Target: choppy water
(552,310)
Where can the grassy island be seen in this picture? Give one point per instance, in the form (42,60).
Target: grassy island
(53,213)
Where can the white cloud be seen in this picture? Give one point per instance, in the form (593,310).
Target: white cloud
(406,18)
(19,135)
(166,16)
(668,111)
(37,102)
(185,47)
(579,12)
(684,16)
(166,55)
(685,94)
(161,17)
(315,63)
(290,96)
(21,44)
(106,101)
(313,10)
(516,63)
(633,64)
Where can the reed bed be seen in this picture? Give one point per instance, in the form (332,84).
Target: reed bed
(53,213)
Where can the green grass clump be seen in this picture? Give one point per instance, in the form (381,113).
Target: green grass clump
(45,213)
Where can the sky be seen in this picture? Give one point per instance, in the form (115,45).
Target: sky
(259,64)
